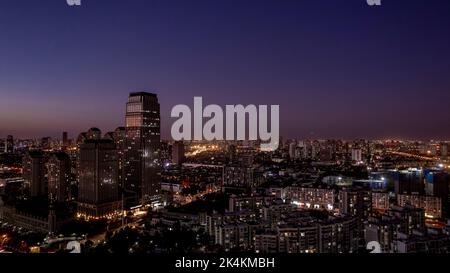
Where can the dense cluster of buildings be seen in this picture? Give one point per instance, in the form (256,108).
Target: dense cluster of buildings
(309,196)
(102,174)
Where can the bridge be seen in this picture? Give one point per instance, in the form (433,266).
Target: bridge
(414,156)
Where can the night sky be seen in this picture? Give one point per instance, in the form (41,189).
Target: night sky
(337,68)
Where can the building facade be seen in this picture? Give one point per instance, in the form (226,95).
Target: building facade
(34,173)
(58,175)
(142,145)
(98,193)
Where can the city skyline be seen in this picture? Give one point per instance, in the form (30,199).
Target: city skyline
(224,135)
(345,69)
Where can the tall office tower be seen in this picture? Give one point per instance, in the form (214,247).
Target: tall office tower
(9,144)
(98,193)
(142,164)
(118,136)
(65,140)
(34,172)
(178,152)
(356,155)
(58,175)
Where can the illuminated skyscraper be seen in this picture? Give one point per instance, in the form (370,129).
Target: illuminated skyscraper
(34,172)
(118,136)
(58,173)
(142,145)
(98,194)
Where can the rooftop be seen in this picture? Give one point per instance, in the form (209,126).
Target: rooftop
(136,94)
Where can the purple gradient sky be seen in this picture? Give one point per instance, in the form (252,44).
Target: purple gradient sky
(337,68)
